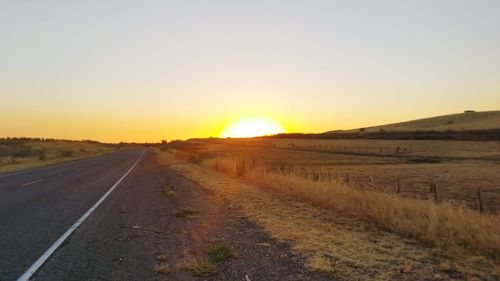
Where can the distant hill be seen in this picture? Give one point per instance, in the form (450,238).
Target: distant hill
(467,121)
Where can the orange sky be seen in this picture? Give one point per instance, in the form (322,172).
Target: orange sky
(146,71)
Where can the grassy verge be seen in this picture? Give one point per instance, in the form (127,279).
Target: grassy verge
(16,155)
(346,247)
(442,224)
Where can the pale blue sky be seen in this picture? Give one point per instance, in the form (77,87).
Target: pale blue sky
(146,70)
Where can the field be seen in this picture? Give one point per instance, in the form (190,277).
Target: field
(459,170)
(437,192)
(18,154)
(333,199)
(485,120)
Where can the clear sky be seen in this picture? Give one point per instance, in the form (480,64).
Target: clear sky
(149,70)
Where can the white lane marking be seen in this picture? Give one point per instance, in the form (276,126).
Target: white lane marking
(31,182)
(27,275)
(11,174)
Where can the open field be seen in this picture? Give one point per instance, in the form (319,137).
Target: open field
(436,198)
(467,121)
(19,154)
(458,169)
(347,246)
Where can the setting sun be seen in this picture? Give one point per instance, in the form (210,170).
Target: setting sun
(252,127)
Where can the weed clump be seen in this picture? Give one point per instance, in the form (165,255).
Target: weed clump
(169,193)
(162,258)
(183,213)
(162,268)
(201,268)
(220,252)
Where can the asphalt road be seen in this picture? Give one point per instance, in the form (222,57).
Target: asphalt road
(122,237)
(38,206)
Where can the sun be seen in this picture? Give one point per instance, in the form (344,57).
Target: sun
(252,127)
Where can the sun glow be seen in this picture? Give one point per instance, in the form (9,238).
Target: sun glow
(252,127)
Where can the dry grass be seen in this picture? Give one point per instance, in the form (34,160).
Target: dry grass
(438,224)
(42,153)
(162,268)
(200,268)
(170,193)
(457,181)
(441,148)
(346,247)
(184,213)
(460,121)
(161,258)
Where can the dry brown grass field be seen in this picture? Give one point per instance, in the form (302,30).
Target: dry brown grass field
(23,154)
(457,169)
(449,197)
(462,121)
(338,203)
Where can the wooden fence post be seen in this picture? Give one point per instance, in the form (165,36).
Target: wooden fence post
(481,210)
(434,191)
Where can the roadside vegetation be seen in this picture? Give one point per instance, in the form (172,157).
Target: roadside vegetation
(431,221)
(201,268)
(442,224)
(162,266)
(340,245)
(220,252)
(186,213)
(22,153)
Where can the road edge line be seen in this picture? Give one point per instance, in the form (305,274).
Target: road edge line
(38,263)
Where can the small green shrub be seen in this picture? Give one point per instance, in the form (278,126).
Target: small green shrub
(220,252)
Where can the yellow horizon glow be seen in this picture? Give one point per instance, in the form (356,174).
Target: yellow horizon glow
(246,127)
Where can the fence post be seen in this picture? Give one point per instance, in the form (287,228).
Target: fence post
(434,191)
(481,210)
(398,190)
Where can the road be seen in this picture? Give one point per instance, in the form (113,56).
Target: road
(38,206)
(134,223)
